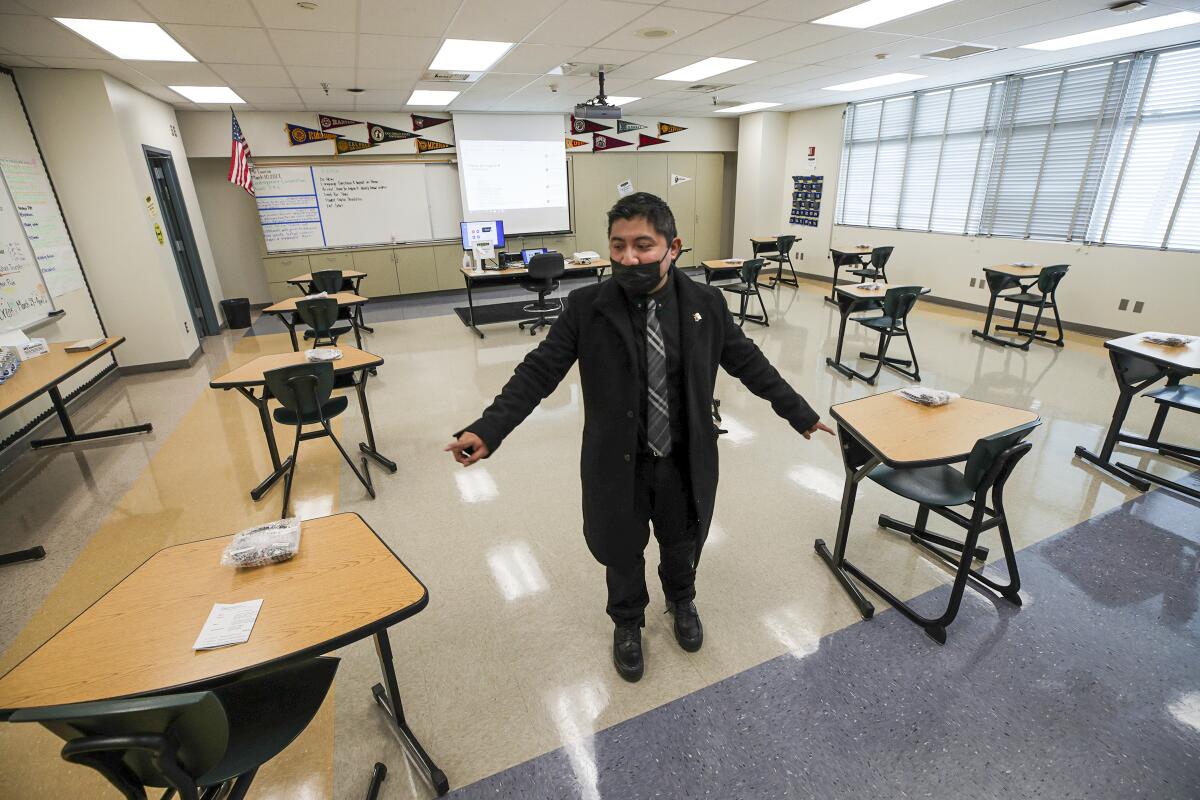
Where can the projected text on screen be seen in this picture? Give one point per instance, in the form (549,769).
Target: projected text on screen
(505,175)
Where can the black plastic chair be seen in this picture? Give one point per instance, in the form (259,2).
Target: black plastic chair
(876,268)
(783,255)
(898,301)
(544,271)
(746,288)
(197,744)
(840,260)
(303,391)
(1047,287)
(938,489)
(320,314)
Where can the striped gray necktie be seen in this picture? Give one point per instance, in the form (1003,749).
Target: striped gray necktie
(658,419)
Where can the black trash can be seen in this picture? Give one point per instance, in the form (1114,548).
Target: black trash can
(237,312)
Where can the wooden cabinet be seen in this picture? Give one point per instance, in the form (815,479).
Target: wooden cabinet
(416,269)
(380,266)
(281,268)
(282,291)
(710,212)
(448,259)
(320,261)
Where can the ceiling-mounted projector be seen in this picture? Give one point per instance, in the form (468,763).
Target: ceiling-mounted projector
(598,107)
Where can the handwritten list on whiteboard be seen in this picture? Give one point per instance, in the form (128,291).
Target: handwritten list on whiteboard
(23,295)
(44,226)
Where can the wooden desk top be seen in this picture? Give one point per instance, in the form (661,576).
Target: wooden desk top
(764,239)
(343,299)
(343,585)
(37,375)
(904,433)
(251,373)
(346,273)
(721,263)
(595,263)
(1015,271)
(1186,358)
(852,290)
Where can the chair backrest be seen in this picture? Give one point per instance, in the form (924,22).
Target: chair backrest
(784,244)
(546,266)
(841,259)
(319,313)
(301,388)
(750,269)
(1049,277)
(327,280)
(983,464)
(899,300)
(880,256)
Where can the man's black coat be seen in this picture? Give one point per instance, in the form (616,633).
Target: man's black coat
(596,329)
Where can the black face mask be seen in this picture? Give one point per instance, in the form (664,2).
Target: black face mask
(639,279)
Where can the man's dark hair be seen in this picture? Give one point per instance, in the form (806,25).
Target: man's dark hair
(651,207)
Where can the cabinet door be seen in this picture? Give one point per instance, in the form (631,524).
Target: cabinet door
(281,268)
(448,259)
(282,291)
(416,269)
(710,194)
(380,266)
(652,174)
(682,199)
(596,179)
(320,261)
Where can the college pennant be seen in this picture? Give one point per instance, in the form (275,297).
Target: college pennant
(626,127)
(425,145)
(646,141)
(575,142)
(328,122)
(600,142)
(382,133)
(665,127)
(343,146)
(298,134)
(420,122)
(587,126)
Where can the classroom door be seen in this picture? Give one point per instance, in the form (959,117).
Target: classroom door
(710,196)
(178,232)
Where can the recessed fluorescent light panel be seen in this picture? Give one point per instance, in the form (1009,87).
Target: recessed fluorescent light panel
(469,55)
(621,101)
(704,69)
(877,12)
(431,97)
(208,94)
(871,83)
(133,41)
(745,107)
(1151,25)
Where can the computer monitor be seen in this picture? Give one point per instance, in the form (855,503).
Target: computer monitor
(489,231)
(527,255)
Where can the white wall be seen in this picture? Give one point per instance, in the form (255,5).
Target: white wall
(237,238)
(762,147)
(1100,277)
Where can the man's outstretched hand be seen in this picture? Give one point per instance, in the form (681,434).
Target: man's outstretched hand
(820,426)
(469,448)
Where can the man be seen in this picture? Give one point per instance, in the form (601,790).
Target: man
(648,344)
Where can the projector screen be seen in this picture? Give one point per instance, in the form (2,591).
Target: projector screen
(513,169)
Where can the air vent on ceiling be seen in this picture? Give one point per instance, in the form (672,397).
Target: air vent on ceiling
(706,87)
(958,51)
(446,76)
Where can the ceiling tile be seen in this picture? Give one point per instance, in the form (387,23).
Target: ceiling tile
(122,70)
(385,78)
(730,32)
(178,73)
(899,54)
(652,65)
(604,55)
(406,17)
(14,7)
(396,52)
(313,77)
(210,12)
(259,95)
(39,36)
(482,19)
(647,88)
(753,72)
(807,11)
(535,59)
(720,6)
(584,22)
(683,22)
(318,96)
(382,97)
(786,45)
(225,45)
(330,15)
(952,14)
(91,9)
(277,106)
(1037,17)
(264,75)
(498,82)
(312,49)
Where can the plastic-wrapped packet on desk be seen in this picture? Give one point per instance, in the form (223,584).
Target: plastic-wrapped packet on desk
(927,397)
(264,544)
(868,286)
(316,295)
(9,362)
(1167,339)
(322,354)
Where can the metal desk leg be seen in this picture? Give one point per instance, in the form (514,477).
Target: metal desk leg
(847,306)
(290,324)
(368,446)
(852,453)
(359,316)
(844,311)
(471,307)
(17,556)
(278,468)
(832,297)
(71,436)
(387,695)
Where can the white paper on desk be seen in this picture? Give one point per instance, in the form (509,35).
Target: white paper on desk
(13,339)
(228,623)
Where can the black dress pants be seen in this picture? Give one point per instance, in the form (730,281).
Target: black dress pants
(662,496)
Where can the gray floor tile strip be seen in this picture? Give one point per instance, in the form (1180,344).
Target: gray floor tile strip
(1090,690)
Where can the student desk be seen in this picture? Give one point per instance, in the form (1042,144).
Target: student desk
(999,278)
(863,251)
(44,374)
(722,269)
(887,429)
(851,298)
(251,375)
(345,584)
(487,277)
(1138,365)
(286,311)
(353,276)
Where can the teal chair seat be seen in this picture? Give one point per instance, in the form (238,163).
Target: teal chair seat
(329,409)
(877,323)
(1180,395)
(931,486)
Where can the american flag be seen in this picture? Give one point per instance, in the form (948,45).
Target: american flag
(239,159)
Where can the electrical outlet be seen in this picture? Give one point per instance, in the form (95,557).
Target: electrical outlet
(1123,305)
(1137,307)
(186,328)
(972,283)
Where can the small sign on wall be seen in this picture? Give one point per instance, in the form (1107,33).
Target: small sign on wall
(625,188)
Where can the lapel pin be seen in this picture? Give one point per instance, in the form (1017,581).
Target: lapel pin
(697,316)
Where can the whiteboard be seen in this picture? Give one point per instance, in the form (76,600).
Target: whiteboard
(37,207)
(24,298)
(353,205)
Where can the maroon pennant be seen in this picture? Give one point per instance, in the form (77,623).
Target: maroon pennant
(382,133)
(587,126)
(601,142)
(420,122)
(329,123)
(646,141)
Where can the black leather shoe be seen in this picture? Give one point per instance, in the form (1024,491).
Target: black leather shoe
(627,652)
(688,630)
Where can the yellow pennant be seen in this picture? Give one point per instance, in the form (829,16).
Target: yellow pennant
(425,145)
(575,143)
(665,127)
